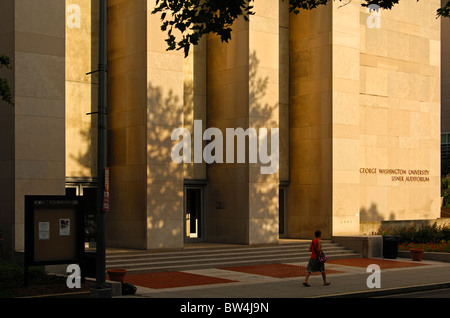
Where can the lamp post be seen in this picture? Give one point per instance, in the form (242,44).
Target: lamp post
(102,146)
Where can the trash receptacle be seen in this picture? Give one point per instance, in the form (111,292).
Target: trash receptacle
(390,246)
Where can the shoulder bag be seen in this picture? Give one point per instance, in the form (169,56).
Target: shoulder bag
(320,256)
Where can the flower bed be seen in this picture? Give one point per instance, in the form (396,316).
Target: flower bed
(443,247)
(430,238)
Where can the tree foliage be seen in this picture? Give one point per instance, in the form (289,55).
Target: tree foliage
(199,17)
(191,19)
(5,89)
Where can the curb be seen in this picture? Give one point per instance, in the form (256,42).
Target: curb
(388,291)
(82,294)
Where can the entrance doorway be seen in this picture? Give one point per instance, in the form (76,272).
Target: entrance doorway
(88,190)
(282,211)
(193,213)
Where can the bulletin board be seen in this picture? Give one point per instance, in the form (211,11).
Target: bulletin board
(54,230)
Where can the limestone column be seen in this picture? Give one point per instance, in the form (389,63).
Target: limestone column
(82,36)
(146,100)
(32,160)
(310,125)
(243,92)
(345,118)
(165,94)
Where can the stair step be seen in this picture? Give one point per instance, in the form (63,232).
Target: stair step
(219,264)
(213,257)
(211,254)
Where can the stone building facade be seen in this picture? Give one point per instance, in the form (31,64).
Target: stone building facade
(355,96)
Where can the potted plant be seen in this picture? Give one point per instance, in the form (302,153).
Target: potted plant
(416,254)
(116,274)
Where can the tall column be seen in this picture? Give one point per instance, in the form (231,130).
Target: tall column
(82,56)
(310,189)
(345,118)
(32,160)
(165,92)
(146,100)
(243,92)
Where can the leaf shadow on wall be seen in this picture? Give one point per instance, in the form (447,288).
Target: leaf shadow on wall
(164,198)
(239,196)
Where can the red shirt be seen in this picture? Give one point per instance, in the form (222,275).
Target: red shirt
(316,245)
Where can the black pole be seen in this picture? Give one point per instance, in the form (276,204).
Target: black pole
(101,155)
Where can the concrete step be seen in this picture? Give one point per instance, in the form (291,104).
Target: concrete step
(213,257)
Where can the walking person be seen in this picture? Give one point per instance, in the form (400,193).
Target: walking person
(314,265)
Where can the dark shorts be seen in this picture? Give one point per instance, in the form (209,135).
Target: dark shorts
(315,266)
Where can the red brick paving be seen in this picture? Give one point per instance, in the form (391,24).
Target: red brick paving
(172,279)
(275,270)
(364,262)
(160,280)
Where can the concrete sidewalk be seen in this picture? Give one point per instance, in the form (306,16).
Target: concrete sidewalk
(348,279)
